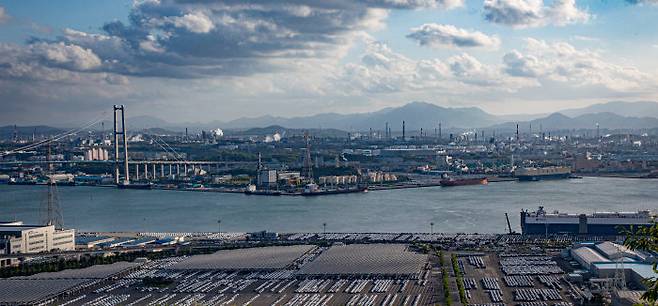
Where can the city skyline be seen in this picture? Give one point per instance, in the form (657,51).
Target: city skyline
(197,62)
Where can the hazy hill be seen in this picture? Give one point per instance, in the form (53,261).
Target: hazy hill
(558,121)
(416,115)
(627,109)
(423,115)
(7,132)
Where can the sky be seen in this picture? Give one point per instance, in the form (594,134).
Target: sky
(62,62)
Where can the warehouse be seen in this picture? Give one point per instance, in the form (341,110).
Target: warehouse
(605,259)
(586,257)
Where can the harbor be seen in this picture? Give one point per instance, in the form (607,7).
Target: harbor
(476,208)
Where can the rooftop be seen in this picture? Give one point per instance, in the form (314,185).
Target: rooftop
(265,258)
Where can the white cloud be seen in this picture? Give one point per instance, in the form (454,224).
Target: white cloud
(562,62)
(440,35)
(534,13)
(445,4)
(4,17)
(383,70)
(585,38)
(196,22)
(68,56)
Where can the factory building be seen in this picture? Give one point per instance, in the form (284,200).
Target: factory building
(266,179)
(26,239)
(89,242)
(604,259)
(338,180)
(96,153)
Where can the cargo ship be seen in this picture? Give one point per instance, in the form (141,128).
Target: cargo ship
(136,186)
(598,223)
(463,181)
(546,173)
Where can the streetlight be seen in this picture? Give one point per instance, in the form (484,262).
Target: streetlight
(431,228)
(219,228)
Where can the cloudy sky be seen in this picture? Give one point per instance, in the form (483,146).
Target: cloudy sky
(202,60)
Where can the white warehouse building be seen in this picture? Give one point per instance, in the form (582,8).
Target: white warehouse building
(26,239)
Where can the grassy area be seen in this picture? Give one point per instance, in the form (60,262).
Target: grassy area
(460,280)
(446,279)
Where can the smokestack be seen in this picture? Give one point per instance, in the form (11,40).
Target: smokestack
(440,136)
(404,131)
(386,131)
(517,132)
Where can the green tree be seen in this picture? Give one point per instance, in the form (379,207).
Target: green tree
(646,239)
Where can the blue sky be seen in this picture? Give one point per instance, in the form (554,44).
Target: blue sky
(196,61)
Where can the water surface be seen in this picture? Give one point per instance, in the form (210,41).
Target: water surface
(456,209)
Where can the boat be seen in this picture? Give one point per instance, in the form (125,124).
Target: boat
(263,192)
(14,181)
(135,186)
(598,223)
(545,173)
(463,181)
(318,192)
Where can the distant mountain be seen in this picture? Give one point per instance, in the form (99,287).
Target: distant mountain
(283,131)
(558,121)
(627,109)
(415,114)
(25,132)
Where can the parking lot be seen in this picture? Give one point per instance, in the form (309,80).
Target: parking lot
(364,283)
(513,279)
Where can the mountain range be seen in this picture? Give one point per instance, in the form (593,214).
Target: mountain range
(417,115)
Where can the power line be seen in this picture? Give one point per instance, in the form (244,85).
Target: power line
(55,138)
